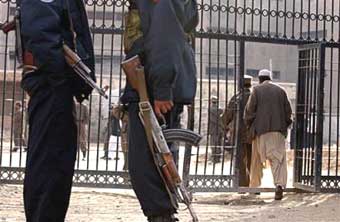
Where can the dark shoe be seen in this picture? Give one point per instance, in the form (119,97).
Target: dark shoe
(278,193)
(105,158)
(163,218)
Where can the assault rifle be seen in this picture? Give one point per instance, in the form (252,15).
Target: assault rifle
(71,57)
(158,139)
(81,69)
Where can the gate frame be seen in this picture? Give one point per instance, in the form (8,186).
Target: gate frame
(320,72)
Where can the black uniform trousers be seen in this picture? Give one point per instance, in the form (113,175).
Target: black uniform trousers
(51,154)
(245,163)
(145,179)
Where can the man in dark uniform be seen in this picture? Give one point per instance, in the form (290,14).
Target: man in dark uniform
(215,130)
(159,32)
(228,121)
(52,84)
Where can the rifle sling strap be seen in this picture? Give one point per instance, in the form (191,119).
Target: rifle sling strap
(74,34)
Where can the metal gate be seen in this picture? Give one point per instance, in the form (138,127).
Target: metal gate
(226,26)
(309,117)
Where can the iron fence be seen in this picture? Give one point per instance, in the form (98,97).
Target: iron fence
(227,46)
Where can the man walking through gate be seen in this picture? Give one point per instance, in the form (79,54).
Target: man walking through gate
(229,119)
(52,84)
(159,32)
(268,116)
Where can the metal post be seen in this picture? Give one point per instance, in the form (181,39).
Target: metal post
(240,112)
(320,118)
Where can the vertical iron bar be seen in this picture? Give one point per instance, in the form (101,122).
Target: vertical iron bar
(277,19)
(308,147)
(321,94)
(226,95)
(4,92)
(306,150)
(315,101)
(269,15)
(261,14)
(324,20)
(337,118)
(252,18)
(235,22)
(309,17)
(233,152)
(330,113)
(301,20)
(218,91)
(209,101)
(293,21)
(332,23)
(112,55)
(317,20)
(100,84)
(238,144)
(298,164)
(285,20)
(244,17)
(91,97)
(227,17)
(201,88)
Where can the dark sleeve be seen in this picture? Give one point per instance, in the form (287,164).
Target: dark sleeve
(41,27)
(164,44)
(288,110)
(250,109)
(228,114)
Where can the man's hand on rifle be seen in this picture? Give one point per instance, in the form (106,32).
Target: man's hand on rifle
(162,107)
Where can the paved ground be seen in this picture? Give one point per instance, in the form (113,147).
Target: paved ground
(102,205)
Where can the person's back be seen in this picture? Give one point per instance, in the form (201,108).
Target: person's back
(272,109)
(268,116)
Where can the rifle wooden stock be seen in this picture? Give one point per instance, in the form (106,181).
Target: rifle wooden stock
(71,57)
(134,72)
(8,26)
(171,171)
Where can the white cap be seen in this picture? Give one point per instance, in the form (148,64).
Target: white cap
(265,72)
(248,77)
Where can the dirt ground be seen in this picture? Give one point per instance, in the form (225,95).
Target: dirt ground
(104,205)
